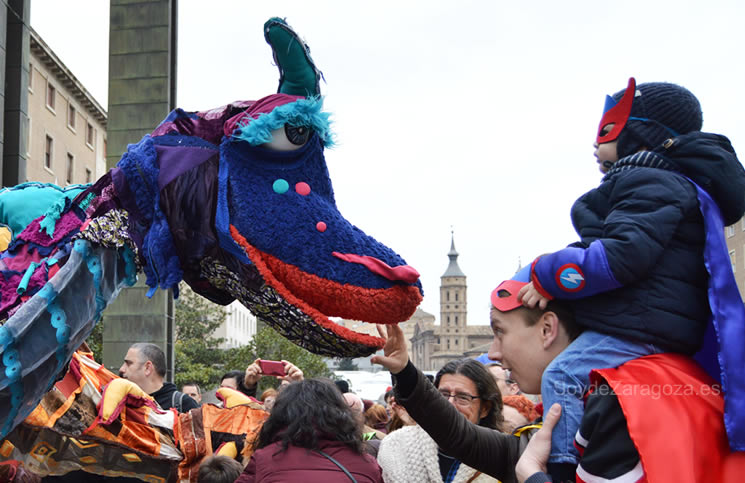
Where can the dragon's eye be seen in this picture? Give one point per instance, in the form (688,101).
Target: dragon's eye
(297,135)
(289,138)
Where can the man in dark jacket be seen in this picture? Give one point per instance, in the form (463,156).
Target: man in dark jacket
(145,365)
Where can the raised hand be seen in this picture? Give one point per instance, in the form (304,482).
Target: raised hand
(395,353)
(535,456)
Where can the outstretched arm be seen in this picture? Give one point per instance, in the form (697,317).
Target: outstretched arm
(487,450)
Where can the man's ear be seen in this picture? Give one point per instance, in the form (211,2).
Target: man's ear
(549,328)
(148,367)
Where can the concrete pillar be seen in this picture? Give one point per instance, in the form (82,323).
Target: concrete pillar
(142,91)
(14,62)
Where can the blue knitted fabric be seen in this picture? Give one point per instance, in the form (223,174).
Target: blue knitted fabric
(162,267)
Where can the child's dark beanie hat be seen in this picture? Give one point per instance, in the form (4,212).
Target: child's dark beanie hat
(666,105)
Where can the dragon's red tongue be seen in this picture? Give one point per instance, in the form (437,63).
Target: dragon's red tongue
(403,273)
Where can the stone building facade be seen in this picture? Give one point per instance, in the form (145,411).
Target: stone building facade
(67,126)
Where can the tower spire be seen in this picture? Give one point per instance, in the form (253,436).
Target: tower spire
(453,269)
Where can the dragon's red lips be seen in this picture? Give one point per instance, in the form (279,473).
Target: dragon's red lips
(375,305)
(402,273)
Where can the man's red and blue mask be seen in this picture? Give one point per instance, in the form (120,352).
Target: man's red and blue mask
(504,297)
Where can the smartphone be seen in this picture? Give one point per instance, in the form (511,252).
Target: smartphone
(272,368)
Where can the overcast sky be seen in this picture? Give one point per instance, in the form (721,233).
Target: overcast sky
(475,115)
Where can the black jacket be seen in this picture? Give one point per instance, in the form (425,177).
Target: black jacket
(164,398)
(488,450)
(640,258)
(608,449)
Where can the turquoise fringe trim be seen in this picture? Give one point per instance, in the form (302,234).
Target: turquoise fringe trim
(303,112)
(23,285)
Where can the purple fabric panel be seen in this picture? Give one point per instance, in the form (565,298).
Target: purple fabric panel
(175,160)
(208,126)
(67,222)
(207,130)
(9,294)
(126,198)
(105,200)
(21,259)
(224,112)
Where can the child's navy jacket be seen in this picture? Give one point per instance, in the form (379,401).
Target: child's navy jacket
(638,270)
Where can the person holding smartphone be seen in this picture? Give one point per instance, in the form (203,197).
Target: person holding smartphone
(284,370)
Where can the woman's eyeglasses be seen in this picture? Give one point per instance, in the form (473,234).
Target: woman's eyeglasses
(460,398)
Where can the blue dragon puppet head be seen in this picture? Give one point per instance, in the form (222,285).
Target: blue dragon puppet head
(237,201)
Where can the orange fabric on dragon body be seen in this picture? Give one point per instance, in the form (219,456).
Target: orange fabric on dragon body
(64,432)
(203,431)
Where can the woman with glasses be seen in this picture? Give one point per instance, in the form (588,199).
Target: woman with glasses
(410,455)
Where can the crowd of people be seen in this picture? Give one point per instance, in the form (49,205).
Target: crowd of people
(319,430)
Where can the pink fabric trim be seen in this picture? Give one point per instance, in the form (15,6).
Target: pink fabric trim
(264,105)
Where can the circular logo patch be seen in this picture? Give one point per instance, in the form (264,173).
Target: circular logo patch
(570,278)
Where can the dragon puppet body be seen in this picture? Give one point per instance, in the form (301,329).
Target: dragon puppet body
(236,201)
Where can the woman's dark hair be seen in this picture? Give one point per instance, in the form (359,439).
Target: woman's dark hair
(486,387)
(308,411)
(238,376)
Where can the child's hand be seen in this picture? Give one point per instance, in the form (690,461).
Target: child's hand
(530,297)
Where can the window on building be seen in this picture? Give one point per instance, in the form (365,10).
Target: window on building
(448,320)
(88,175)
(69,168)
(51,96)
(28,138)
(31,77)
(447,296)
(730,231)
(456,320)
(48,152)
(90,135)
(456,341)
(732,259)
(456,296)
(71,115)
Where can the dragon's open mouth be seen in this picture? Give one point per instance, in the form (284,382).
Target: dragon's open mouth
(383,306)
